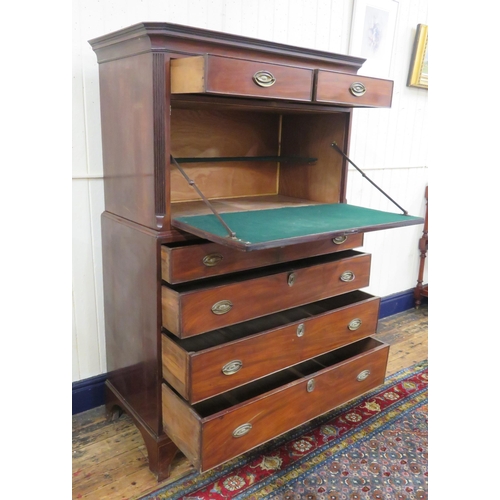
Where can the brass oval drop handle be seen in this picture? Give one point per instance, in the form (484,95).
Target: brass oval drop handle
(338,240)
(354,324)
(301,329)
(264,78)
(212,259)
(347,276)
(363,375)
(357,89)
(311,384)
(222,307)
(232,367)
(291,279)
(242,430)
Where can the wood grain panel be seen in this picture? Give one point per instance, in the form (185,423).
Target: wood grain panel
(128,138)
(175,363)
(182,425)
(130,276)
(311,136)
(170,301)
(208,133)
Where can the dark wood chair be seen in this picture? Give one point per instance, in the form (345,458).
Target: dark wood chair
(422,290)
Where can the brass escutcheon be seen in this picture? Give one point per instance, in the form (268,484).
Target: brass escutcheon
(222,307)
(264,78)
(363,375)
(212,259)
(311,384)
(347,276)
(357,89)
(301,329)
(242,430)
(232,367)
(338,240)
(354,324)
(291,279)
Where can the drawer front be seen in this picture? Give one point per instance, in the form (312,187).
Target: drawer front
(237,363)
(286,408)
(225,75)
(206,309)
(354,90)
(204,260)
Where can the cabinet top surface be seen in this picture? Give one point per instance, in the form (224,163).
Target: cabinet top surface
(162,36)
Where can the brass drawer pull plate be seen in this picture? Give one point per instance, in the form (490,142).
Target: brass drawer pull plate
(222,307)
(291,279)
(242,430)
(357,89)
(301,329)
(363,375)
(338,240)
(212,259)
(232,367)
(264,78)
(354,324)
(311,384)
(347,276)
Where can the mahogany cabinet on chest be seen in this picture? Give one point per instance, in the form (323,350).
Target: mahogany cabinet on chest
(231,276)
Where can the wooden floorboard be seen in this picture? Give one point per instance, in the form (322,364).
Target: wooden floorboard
(110,459)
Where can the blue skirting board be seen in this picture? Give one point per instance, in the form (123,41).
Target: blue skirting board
(89,393)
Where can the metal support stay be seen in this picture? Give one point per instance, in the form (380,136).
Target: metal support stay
(336,147)
(232,234)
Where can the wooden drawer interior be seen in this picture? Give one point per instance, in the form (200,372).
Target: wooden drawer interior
(271,405)
(205,365)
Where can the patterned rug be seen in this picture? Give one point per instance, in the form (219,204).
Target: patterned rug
(374,447)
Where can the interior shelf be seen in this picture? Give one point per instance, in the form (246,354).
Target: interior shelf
(213,159)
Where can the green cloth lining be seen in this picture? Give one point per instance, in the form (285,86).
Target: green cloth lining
(259,226)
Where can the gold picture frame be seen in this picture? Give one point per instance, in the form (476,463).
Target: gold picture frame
(419,66)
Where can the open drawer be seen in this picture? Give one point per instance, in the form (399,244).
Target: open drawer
(218,429)
(192,260)
(354,90)
(206,365)
(196,308)
(240,77)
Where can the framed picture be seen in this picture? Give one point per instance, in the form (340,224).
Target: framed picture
(419,66)
(372,34)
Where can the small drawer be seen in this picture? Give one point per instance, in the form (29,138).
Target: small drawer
(203,366)
(218,429)
(195,308)
(362,91)
(187,262)
(240,77)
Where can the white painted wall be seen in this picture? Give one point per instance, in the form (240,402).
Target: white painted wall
(389,144)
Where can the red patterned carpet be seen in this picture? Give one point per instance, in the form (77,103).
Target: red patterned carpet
(374,447)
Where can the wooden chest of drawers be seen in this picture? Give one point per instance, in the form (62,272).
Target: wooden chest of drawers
(231,259)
